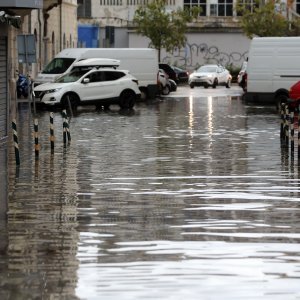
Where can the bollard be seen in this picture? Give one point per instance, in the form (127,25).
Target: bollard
(70,105)
(36,138)
(16,143)
(292,130)
(51,132)
(282,121)
(286,126)
(64,114)
(66,129)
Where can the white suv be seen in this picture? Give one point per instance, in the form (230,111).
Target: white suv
(101,87)
(210,75)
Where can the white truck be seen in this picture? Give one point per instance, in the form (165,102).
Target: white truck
(273,67)
(142,63)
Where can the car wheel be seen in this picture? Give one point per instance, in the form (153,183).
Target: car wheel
(174,87)
(228,84)
(166,90)
(215,83)
(73,98)
(192,85)
(280,99)
(127,99)
(144,95)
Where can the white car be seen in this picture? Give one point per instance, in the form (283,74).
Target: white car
(101,87)
(210,75)
(164,84)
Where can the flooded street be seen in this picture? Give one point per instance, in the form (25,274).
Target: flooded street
(190,197)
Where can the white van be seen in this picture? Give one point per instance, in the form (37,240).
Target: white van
(273,67)
(142,63)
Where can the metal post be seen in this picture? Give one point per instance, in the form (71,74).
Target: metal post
(16,143)
(282,121)
(66,129)
(70,105)
(36,138)
(51,132)
(287,125)
(292,130)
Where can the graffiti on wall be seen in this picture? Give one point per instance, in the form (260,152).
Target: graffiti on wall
(193,56)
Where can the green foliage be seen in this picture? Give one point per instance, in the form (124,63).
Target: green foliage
(164,29)
(264,20)
(234,71)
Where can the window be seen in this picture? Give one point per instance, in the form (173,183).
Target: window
(96,77)
(114,75)
(188,4)
(249,4)
(298,6)
(84,8)
(225,8)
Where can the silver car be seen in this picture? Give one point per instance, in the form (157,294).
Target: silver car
(210,75)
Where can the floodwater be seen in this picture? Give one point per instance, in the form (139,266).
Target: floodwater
(185,198)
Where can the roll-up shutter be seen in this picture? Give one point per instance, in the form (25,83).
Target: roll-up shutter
(3,88)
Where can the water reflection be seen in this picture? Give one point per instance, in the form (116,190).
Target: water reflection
(180,198)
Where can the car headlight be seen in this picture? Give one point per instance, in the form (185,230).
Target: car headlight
(52,91)
(209,75)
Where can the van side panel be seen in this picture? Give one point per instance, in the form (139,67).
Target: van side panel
(273,67)
(287,67)
(261,66)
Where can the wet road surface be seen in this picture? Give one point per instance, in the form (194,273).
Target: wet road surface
(190,197)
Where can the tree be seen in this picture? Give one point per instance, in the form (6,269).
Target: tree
(265,19)
(164,29)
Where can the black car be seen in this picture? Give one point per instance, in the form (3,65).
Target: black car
(170,71)
(183,75)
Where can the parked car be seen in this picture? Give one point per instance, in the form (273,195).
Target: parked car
(242,77)
(101,87)
(169,70)
(182,75)
(164,85)
(210,75)
(173,85)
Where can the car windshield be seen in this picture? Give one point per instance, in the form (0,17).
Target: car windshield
(71,77)
(58,65)
(209,69)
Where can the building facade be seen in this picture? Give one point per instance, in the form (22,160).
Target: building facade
(216,37)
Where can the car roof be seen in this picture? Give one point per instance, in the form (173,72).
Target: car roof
(210,65)
(96,62)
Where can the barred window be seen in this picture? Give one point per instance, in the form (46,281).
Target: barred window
(225,7)
(110,2)
(249,4)
(298,6)
(188,4)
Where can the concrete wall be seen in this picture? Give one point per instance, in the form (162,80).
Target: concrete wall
(202,48)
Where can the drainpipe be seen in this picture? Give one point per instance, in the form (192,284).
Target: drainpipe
(40,39)
(61,35)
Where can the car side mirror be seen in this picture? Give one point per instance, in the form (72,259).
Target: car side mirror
(86,80)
